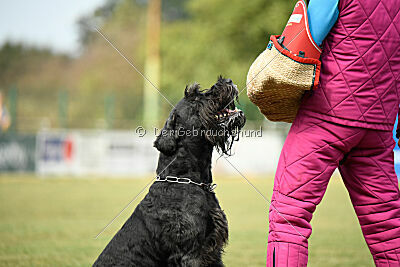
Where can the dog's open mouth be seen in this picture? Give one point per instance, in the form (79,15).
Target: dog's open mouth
(226,114)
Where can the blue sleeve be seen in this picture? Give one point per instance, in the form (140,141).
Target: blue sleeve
(322,15)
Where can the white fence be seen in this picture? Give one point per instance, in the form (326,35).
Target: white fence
(122,153)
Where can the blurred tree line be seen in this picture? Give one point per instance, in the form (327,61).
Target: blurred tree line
(200,39)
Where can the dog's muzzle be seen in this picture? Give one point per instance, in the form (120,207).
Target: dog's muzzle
(231,118)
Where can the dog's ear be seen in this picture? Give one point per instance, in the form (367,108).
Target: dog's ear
(166,140)
(192,90)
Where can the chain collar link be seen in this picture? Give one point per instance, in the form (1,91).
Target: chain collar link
(183,180)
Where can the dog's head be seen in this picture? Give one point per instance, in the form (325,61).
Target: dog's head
(209,115)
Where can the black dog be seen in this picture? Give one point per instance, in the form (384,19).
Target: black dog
(180,222)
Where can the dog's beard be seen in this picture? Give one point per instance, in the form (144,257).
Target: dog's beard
(228,132)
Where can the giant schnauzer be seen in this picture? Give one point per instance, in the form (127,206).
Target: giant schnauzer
(180,222)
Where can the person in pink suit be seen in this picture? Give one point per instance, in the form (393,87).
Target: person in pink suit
(346,123)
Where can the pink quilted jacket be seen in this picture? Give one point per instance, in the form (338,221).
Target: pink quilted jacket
(360,74)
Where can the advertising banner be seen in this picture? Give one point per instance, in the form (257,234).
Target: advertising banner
(122,153)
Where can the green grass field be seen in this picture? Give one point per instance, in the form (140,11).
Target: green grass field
(53,222)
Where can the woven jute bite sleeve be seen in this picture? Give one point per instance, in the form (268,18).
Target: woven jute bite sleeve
(277,80)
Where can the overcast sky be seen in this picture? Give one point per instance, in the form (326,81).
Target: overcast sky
(50,23)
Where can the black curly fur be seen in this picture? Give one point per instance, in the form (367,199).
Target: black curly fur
(181,224)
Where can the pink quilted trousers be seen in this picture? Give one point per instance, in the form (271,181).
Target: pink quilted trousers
(312,151)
